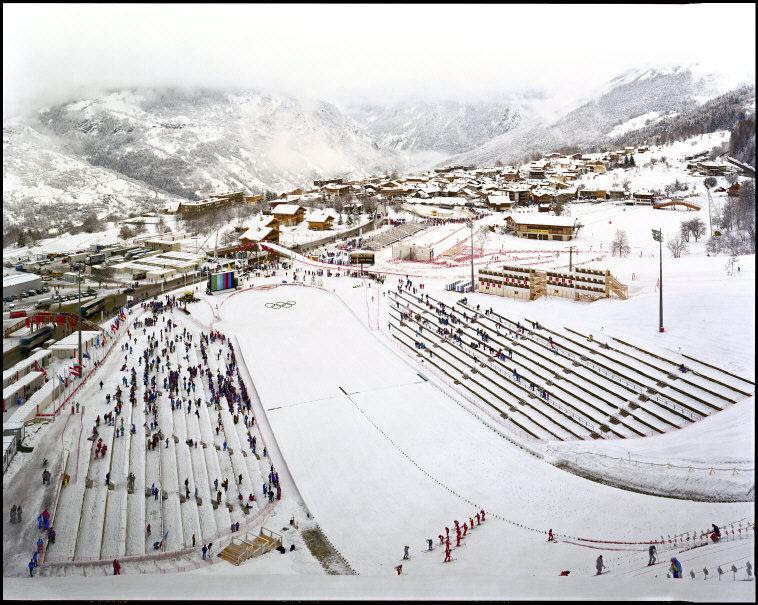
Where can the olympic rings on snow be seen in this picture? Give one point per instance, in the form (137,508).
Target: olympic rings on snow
(280,304)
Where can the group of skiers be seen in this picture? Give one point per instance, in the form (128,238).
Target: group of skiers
(43,525)
(461,529)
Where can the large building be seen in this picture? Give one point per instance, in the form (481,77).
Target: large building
(15,284)
(213,202)
(541,226)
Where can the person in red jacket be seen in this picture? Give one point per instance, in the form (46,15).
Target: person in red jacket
(399,569)
(116,567)
(550,537)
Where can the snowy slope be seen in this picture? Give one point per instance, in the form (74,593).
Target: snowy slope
(390,445)
(630,96)
(44,182)
(191,143)
(447,127)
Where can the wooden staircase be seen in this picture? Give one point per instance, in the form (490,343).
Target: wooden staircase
(619,289)
(539,285)
(251,546)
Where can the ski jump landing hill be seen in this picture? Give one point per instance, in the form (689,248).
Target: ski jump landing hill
(384,458)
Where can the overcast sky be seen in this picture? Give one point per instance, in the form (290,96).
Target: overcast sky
(54,53)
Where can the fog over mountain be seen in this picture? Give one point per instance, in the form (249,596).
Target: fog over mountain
(123,107)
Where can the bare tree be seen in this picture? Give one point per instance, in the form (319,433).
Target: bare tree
(697,228)
(126,232)
(684,230)
(713,245)
(620,244)
(677,246)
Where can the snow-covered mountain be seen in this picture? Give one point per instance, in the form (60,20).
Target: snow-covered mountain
(45,185)
(190,143)
(447,127)
(629,101)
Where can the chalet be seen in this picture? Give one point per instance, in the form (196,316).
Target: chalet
(565,196)
(538,226)
(261,232)
(598,167)
(643,197)
(510,175)
(324,182)
(587,193)
(253,199)
(321,220)
(537,172)
(616,194)
(499,202)
(520,193)
(335,190)
(262,220)
(543,196)
(288,214)
(734,190)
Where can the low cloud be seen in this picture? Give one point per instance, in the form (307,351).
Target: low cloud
(378,53)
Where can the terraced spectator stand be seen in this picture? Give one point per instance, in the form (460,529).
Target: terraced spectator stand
(251,546)
(529,284)
(392,236)
(612,395)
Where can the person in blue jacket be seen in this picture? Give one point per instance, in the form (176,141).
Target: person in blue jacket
(676,567)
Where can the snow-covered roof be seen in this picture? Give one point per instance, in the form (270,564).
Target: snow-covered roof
(539,218)
(285,209)
(256,235)
(321,216)
(262,220)
(499,199)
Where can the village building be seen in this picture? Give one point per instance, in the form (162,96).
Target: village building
(643,197)
(711,168)
(539,226)
(288,214)
(321,220)
(500,202)
(213,202)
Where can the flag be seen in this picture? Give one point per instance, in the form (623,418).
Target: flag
(61,379)
(85,354)
(76,369)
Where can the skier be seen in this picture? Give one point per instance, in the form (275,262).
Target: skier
(676,567)
(51,536)
(116,567)
(429,542)
(447,553)
(148,530)
(716,534)
(405,552)
(205,550)
(550,536)
(30,565)
(599,565)
(399,569)
(652,552)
